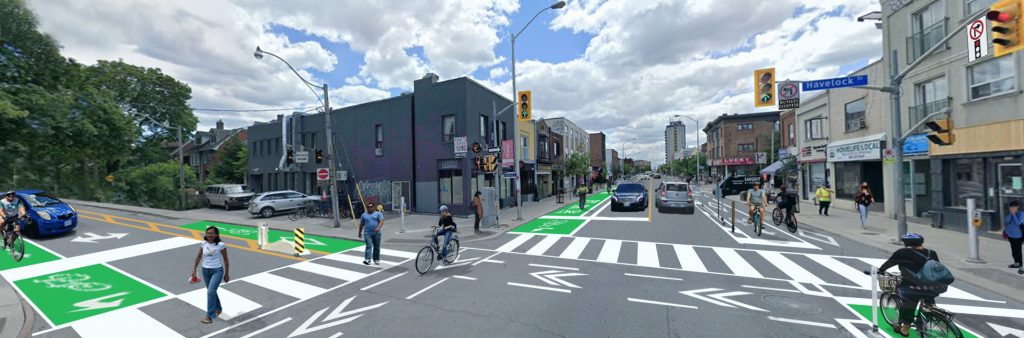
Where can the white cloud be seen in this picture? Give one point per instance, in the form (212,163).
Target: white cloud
(498,72)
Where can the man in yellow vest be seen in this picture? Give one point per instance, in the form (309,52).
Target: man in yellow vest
(824,198)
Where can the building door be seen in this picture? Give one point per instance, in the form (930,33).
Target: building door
(921,181)
(400,189)
(871,172)
(1011,186)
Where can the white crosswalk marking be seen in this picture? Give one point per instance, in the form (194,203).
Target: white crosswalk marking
(647,254)
(356,259)
(737,264)
(239,305)
(130,322)
(610,251)
(543,246)
(286,286)
(329,271)
(848,272)
(790,268)
(575,248)
(398,253)
(513,244)
(688,258)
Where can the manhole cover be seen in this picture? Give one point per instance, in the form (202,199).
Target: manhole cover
(791,305)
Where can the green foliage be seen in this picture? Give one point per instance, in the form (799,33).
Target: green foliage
(154,185)
(232,165)
(577,164)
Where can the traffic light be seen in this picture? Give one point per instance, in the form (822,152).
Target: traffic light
(764,87)
(525,107)
(291,157)
(1004,17)
(942,131)
(319,156)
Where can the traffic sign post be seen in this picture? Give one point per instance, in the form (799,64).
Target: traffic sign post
(789,95)
(976,46)
(323,174)
(761,158)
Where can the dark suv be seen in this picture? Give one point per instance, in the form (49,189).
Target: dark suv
(629,196)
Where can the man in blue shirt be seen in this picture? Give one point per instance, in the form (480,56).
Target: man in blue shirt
(1014,223)
(370,224)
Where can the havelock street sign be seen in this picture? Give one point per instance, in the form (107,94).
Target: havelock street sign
(853,81)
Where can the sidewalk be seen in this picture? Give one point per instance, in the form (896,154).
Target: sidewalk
(951,245)
(417,226)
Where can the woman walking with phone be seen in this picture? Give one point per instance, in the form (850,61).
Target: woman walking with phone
(214,255)
(863,200)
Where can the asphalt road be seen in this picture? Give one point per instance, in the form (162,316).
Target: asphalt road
(615,274)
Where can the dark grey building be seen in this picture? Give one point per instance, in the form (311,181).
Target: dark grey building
(402,146)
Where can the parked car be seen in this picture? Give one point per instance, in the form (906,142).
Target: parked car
(227,196)
(629,195)
(47,214)
(733,185)
(269,203)
(657,176)
(674,195)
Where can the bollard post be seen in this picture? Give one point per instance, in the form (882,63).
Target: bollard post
(261,238)
(973,222)
(874,300)
(402,207)
(733,216)
(300,242)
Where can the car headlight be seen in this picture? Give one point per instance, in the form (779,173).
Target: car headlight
(615,198)
(44,215)
(638,198)
(73,209)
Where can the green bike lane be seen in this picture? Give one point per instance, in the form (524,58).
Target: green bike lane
(566,219)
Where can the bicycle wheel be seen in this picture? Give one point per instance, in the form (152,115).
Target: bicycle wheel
(939,327)
(453,251)
(889,306)
(424,259)
(17,247)
(294,215)
(777,216)
(791,224)
(757,223)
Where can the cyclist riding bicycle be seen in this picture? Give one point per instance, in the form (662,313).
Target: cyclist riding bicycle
(11,207)
(755,199)
(786,201)
(445,227)
(910,259)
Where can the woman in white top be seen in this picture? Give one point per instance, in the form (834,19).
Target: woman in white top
(214,255)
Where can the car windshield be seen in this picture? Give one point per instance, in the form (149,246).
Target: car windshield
(42,200)
(675,187)
(234,189)
(629,188)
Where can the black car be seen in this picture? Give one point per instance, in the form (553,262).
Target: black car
(629,196)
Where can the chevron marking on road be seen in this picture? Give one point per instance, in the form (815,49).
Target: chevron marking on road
(552,277)
(337,317)
(721,299)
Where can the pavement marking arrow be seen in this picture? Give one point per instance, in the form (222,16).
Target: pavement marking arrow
(335,318)
(1004,331)
(552,277)
(92,238)
(721,299)
(817,237)
(98,303)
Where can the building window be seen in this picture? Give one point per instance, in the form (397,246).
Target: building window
(485,129)
(745,147)
(931,96)
(449,189)
(813,128)
(447,128)
(379,140)
(558,149)
(745,126)
(977,5)
(501,132)
(792,134)
(968,178)
(524,146)
(855,115)
(929,27)
(992,77)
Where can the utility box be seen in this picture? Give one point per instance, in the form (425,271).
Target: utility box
(489,197)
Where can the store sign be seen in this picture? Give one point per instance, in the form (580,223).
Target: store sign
(811,151)
(855,152)
(916,144)
(734,161)
(507,157)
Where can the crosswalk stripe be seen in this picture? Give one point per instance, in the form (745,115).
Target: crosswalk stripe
(688,258)
(842,269)
(647,254)
(398,253)
(238,305)
(790,268)
(286,286)
(515,243)
(329,271)
(543,246)
(610,251)
(355,259)
(736,263)
(130,322)
(575,248)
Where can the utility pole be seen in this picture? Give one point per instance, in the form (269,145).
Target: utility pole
(336,219)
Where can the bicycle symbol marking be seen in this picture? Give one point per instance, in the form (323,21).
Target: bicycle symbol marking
(73,281)
(548,225)
(239,232)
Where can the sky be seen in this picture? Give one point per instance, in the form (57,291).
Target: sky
(625,68)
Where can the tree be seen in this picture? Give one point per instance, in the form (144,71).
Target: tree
(578,164)
(233,163)
(154,185)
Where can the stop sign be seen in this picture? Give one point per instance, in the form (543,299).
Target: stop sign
(322,174)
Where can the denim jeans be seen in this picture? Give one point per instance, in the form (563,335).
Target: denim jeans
(910,299)
(372,246)
(447,237)
(863,214)
(212,278)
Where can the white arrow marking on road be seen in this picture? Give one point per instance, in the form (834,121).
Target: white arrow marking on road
(331,318)
(817,237)
(98,303)
(94,237)
(552,277)
(1006,331)
(721,298)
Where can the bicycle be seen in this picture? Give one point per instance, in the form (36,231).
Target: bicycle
(756,218)
(929,320)
(12,240)
(425,258)
(790,219)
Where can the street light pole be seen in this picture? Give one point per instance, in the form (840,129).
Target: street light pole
(327,125)
(515,98)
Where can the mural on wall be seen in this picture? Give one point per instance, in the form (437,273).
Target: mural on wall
(381,189)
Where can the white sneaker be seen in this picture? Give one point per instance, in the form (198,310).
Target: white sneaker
(376,262)
(366,262)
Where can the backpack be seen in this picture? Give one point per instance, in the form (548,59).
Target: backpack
(933,272)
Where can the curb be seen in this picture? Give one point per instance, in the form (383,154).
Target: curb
(118,207)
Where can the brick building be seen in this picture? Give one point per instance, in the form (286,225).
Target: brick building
(735,139)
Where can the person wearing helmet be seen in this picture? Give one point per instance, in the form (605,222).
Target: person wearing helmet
(910,259)
(445,227)
(11,209)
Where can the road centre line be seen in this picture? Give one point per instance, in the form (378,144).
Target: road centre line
(591,217)
(637,300)
(539,287)
(464,277)
(426,288)
(654,277)
(802,322)
(267,328)
(553,267)
(383,281)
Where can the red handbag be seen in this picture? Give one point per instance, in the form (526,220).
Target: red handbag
(194,279)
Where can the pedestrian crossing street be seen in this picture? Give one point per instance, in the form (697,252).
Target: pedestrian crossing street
(243,298)
(825,270)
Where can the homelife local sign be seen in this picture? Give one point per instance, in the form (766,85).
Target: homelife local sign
(871,150)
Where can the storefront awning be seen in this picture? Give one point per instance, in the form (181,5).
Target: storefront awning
(770,170)
(862,139)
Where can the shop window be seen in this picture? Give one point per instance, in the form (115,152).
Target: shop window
(847,179)
(450,186)
(968,175)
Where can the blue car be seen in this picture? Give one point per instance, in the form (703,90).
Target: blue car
(47,215)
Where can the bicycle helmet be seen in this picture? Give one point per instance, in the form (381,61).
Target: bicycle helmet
(9,193)
(912,239)
(443,208)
